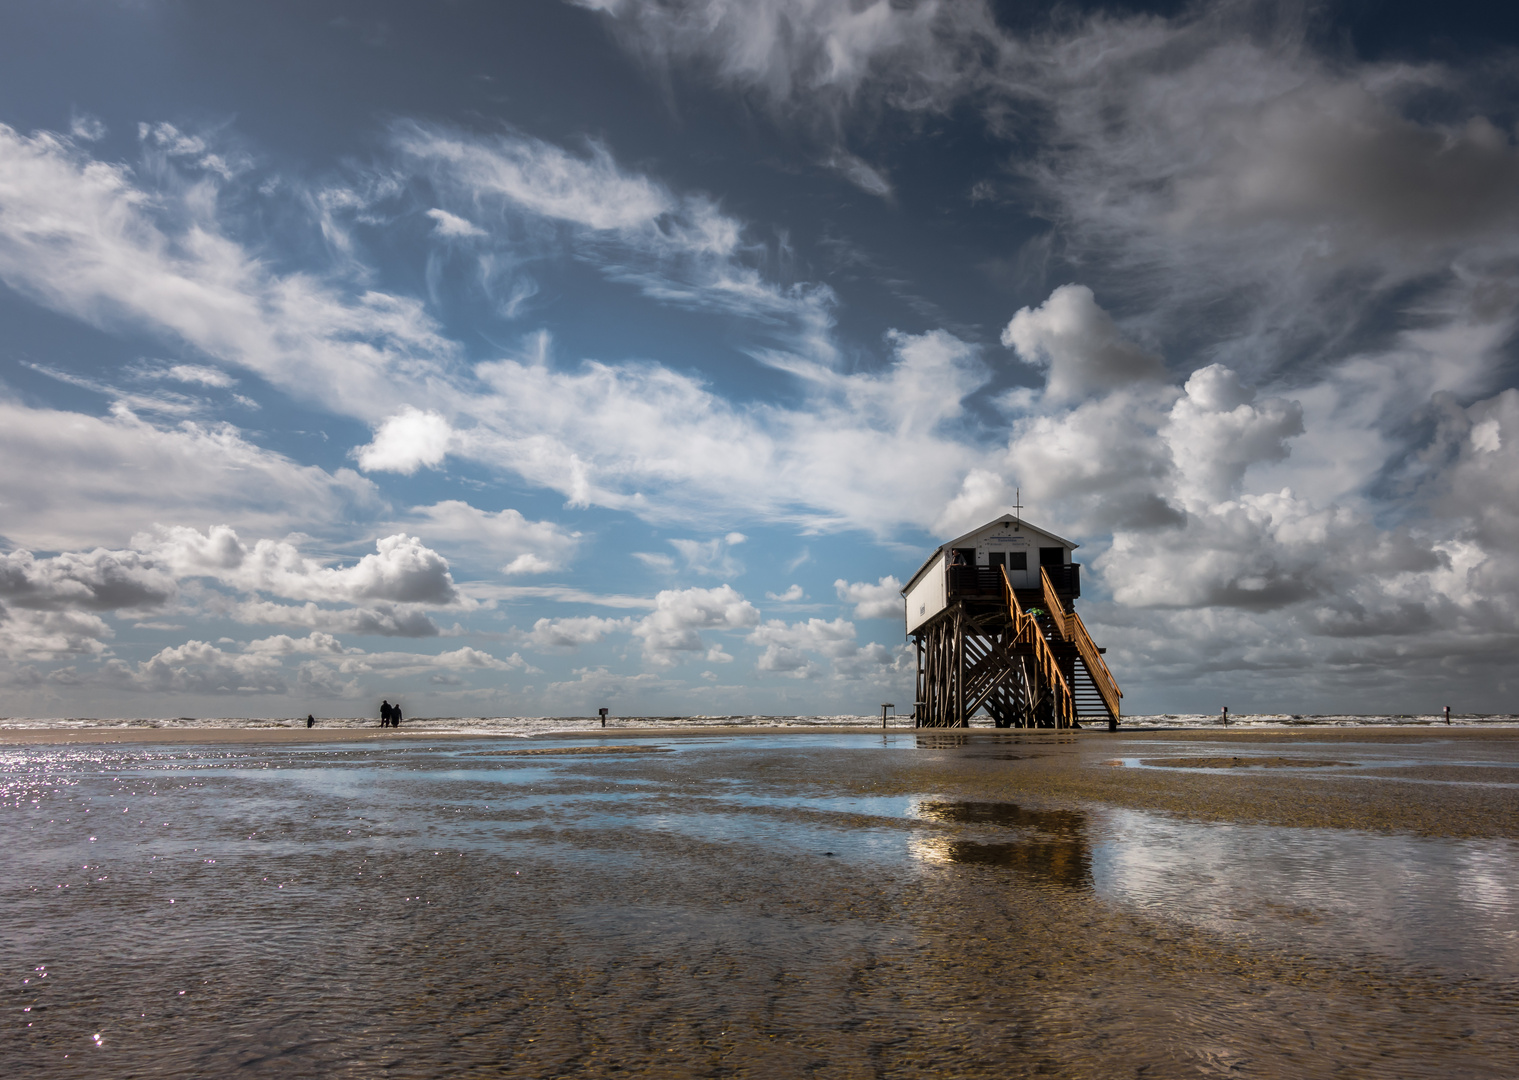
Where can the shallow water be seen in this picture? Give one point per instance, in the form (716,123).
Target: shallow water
(801,904)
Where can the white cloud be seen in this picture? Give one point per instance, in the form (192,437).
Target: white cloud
(83,237)
(85,126)
(528,547)
(861,174)
(789,649)
(381,619)
(315,643)
(873,450)
(402,570)
(198,667)
(680,250)
(407,441)
(792,594)
(823,51)
(592,191)
(49,607)
(453,227)
(199,374)
(98,580)
(673,626)
(1216,432)
(46,635)
(1077,344)
(882,600)
(75,480)
(709,558)
(571,633)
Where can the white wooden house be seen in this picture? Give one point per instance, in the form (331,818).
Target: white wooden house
(992,614)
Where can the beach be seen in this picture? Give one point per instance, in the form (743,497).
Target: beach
(719,900)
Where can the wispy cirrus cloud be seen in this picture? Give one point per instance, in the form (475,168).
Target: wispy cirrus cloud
(678,249)
(86,237)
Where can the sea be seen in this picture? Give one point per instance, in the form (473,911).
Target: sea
(528,726)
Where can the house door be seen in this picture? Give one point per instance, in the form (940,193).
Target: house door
(1053,560)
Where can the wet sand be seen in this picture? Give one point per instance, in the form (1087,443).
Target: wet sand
(762,904)
(1058,768)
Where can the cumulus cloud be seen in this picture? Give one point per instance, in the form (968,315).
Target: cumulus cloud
(402,569)
(1079,347)
(197,667)
(51,606)
(380,620)
(1216,431)
(791,649)
(674,626)
(571,633)
(523,546)
(407,441)
(47,635)
(98,580)
(882,600)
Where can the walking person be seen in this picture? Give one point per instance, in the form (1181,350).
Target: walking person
(385,713)
(395,715)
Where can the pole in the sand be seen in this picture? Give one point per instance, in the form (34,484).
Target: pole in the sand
(888,705)
(603,717)
(1447,716)
(1226,716)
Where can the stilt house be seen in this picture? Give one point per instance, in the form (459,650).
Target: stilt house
(993,616)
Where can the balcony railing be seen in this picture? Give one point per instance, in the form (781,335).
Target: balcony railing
(987,580)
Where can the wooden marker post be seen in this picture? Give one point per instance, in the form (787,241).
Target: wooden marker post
(888,705)
(603,717)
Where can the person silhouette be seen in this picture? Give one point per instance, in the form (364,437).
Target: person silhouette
(395,716)
(385,713)
(310,720)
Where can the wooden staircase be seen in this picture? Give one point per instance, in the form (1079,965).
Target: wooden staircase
(1022,655)
(1090,691)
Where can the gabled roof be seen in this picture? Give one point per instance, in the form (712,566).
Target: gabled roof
(1001,519)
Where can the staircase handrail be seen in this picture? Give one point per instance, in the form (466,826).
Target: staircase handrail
(1074,630)
(1029,632)
(1097,667)
(1054,603)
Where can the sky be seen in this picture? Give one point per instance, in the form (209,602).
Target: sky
(532,358)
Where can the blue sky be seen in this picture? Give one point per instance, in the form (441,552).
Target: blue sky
(528,358)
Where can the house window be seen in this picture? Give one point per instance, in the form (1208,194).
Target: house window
(1017,560)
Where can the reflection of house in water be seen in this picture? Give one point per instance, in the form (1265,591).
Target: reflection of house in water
(1057,852)
(993,617)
